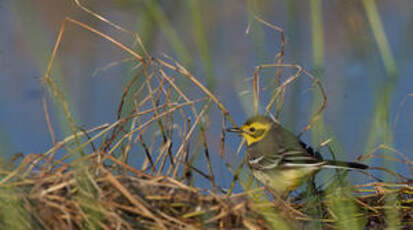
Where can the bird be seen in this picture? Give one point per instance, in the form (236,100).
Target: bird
(279,159)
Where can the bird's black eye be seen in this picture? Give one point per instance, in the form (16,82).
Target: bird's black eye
(252,129)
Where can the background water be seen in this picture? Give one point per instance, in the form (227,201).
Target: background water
(367,83)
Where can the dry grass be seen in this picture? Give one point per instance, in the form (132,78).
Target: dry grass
(121,197)
(85,183)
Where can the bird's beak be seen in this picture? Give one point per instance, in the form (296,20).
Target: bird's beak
(234,130)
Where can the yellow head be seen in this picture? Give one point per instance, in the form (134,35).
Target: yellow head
(254,129)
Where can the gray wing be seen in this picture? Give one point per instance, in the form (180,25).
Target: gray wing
(281,149)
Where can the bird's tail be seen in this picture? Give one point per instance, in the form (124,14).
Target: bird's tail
(344,165)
